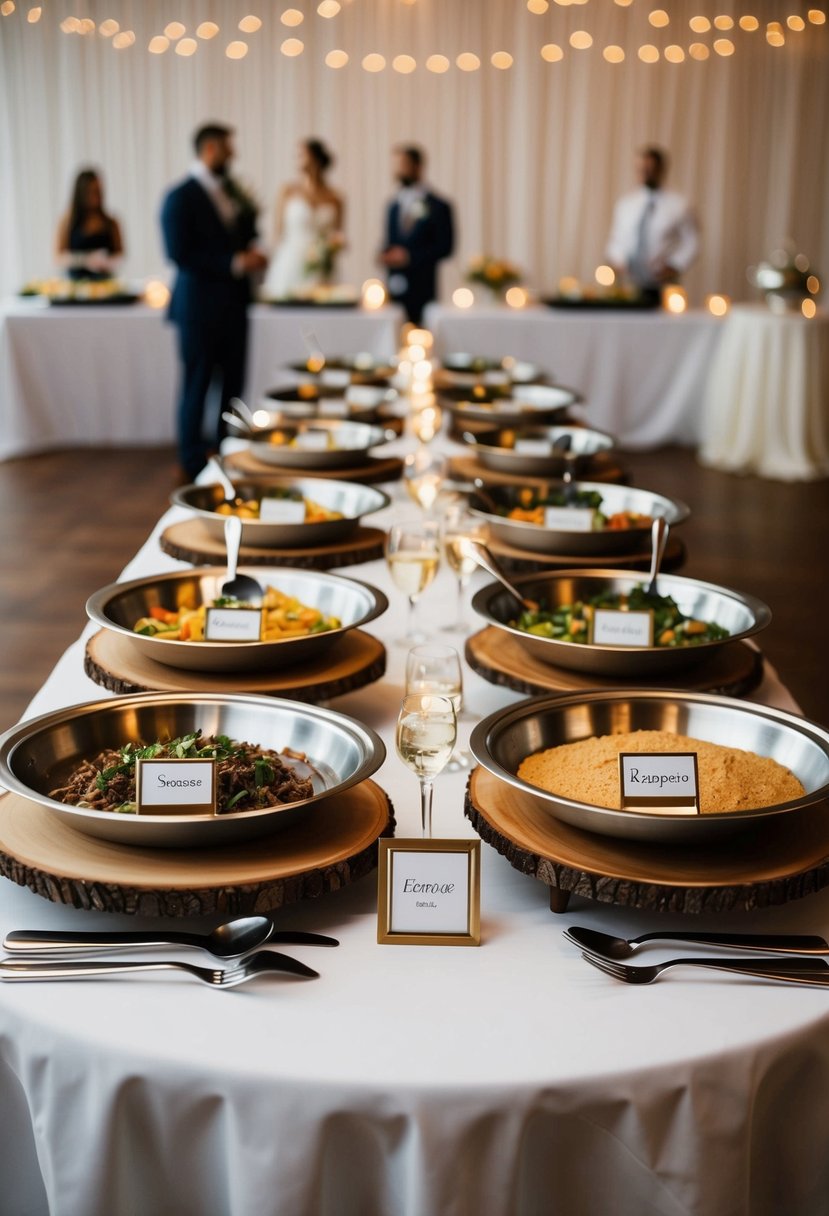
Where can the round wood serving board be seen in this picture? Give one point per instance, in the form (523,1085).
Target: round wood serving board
(467,468)
(357,660)
(733,670)
(333,845)
(528,561)
(189,541)
(754,869)
(376,469)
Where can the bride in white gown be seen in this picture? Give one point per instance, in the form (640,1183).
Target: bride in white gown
(309,228)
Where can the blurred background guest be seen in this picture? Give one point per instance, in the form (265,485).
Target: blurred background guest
(209,227)
(309,227)
(89,242)
(654,236)
(419,234)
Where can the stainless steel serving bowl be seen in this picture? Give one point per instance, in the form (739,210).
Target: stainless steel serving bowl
(531,450)
(118,607)
(597,544)
(340,370)
(462,369)
(355,402)
(503,740)
(37,756)
(742,615)
(348,444)
(350,499)
(511,404)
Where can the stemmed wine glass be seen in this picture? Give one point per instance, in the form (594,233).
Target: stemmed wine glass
(413,557)
(426,732)
(424,473)
(459,525)
(435,669)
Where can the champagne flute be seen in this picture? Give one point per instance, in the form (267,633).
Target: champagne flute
(426,732)
(424,473)
(413,557)
(435,669)
(459,525)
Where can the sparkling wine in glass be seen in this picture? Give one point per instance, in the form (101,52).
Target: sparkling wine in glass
(424,473)
(426,732)
(413,557)
(459,525)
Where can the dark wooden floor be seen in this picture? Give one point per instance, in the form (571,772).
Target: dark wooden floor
(71,521)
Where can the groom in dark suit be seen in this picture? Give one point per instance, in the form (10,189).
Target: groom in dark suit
(419,234)
(209,228)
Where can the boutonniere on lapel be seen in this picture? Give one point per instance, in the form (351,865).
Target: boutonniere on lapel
(418,210)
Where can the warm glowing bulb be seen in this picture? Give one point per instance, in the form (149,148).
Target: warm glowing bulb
(336,59)
(813,284)
(517,297)
(373,294)
(7,8)
(328,8)
(624,3)
(796,23)
(700,25)
(605,276)
(774,34)
(85,26)
(614,54)
(462,297)
(580,40)
(174,30)
(207,30)
(156,294)
(674,54)
(538,6)
(69,25)
(674,300)
(123,40)
(292,16)
(34,15)
(292,47)
(717,305)
(158,45)
(749,24)
(421,369)
(236,50)
(416,352)
(723,46)
(659,18)
(108,28)
(724,22)
(250,24)
(187,47)
(373,62)
(403,64)
(808,308)
(816,16)
(648,53)
(437,63)
(698,50)
(261,417)
(502,60)
(552,52)
(467,62)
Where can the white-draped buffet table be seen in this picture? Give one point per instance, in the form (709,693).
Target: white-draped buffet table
(108,375)
(509,1080)
(642,374)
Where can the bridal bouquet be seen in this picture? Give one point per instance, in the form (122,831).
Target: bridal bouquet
(323,254)
(494,273)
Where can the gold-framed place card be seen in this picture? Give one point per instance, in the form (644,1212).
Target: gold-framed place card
(617,627)
(175,787)
(233,625)
(666,783)
(429,893)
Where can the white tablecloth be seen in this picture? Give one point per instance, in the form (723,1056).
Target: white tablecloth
(641,374)
(510,1080)
(102,375)
(766,404)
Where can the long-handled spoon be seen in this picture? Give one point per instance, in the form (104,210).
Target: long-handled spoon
(481,554)
(659,539)
(238,586)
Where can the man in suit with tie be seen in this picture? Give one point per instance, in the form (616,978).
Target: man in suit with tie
(654,236)
(419,234)
(209,228)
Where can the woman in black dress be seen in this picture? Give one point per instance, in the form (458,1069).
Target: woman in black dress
(89,240)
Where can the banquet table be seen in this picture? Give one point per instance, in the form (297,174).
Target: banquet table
(124,372)
(506,1080)
(766,406)
(641,374)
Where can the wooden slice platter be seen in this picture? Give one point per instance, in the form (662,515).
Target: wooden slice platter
(754,869)
(375,470)
(358,659)
(733,670)
(189,541)
(604,468)
(334,845)
(529,561)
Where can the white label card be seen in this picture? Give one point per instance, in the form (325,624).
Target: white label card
(336,377)
(569,519)
(233,625)
(533,447)
(316,441)
(282,511)
(613,627)
(666,782)
(175,787)
(429,893)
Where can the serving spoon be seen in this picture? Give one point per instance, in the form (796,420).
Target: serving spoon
(216,465)
(659,539)
(481,554)
(238,586)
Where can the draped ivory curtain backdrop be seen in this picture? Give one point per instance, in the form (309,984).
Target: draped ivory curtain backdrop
(533,156)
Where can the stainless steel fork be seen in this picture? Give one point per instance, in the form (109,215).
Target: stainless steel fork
(809,971)
(264,962)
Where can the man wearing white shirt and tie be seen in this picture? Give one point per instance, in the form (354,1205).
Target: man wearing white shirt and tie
(654,237)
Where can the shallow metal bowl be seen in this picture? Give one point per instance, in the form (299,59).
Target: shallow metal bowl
(503,740)
(118,606)
(742,615)
(350,499)
(509,404)
(37,756)
(357,402)
(462,369)
(340,370)
(615,498)
(531,450)
(349,443)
